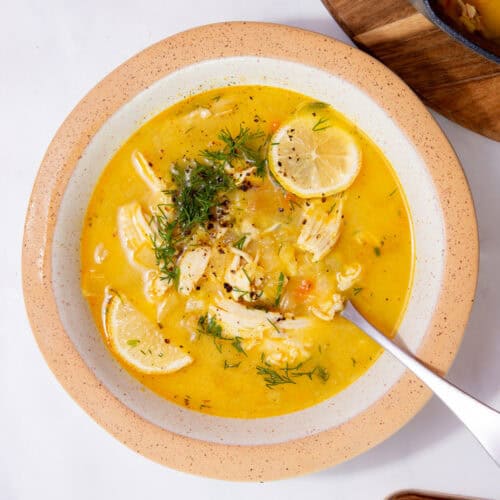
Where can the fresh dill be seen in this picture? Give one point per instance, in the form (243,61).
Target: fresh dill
(357,290)
(241,292)
(278,376)
(321,124)
(246,275)
(207,325)
(164,243)
(240,147)
(230,365)
(133,342)
(322,373)
(393,192)
(272,377)
(377,251)
(197,191)
(240,243)
(236,343)
(330,210)
(279,291)
(273,324)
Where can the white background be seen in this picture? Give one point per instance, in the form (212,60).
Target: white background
(51,53)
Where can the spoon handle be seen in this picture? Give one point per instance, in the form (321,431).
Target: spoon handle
(481,420)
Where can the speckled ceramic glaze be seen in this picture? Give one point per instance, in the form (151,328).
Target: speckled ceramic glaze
(372,408)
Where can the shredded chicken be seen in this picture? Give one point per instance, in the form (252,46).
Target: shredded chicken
(100,253)
(143,168)
(346,279)
(240,321)
(320,229)
(192,265)
(135,236)
(154,286)
(284,352)
(327,310)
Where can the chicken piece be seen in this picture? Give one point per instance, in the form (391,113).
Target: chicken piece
(146,173)
(197,113)
(154,286)
(249,230)
(192,265)
(285,351)
(320,229)
(135,236)
(240,321)
(346,279)
(100,253)
(327,310)
(154,183)
(288,259)
(242,278)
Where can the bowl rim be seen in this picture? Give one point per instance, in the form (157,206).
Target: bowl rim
(442,339)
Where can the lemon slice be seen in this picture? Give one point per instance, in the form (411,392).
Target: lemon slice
(311,159)
(137,340)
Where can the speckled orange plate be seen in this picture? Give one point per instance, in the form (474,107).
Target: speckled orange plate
(372,408)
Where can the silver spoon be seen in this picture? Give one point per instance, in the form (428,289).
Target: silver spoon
(481,420)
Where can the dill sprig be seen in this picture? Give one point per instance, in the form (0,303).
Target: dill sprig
(240,147)
(197,191)
(278,376)
(321,124)
(240,243)
(165,244)
(236,343)
(272,377)
(231,365)
(207,325)
(279,291)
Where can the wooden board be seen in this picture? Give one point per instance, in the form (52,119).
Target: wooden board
(449,77)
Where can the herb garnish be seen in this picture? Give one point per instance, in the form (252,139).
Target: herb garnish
(133,342)
(207,325)
(229,365)
(236,343)
(377,251)
(197,192)
(240,243)
(165,245)
(273,324)
(198,189)
(279,376)
(321,124)
(273,377)
(240,147)
(279,291)
(357,290)
(330,210)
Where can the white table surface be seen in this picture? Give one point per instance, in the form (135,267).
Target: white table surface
(51,53)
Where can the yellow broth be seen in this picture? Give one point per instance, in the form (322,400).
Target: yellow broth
(376,235)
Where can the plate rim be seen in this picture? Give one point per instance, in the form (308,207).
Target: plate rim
(442,339)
